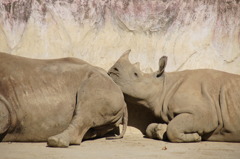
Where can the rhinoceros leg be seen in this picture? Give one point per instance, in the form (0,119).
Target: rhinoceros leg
(182,129)
(73,134)
(4,118)
(85,117)
(82,121)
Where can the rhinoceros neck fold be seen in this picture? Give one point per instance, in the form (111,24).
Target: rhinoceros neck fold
(166,90)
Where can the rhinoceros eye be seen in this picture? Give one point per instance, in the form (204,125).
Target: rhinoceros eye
(136,74)
(115,69)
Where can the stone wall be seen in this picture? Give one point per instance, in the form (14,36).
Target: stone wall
(192,33)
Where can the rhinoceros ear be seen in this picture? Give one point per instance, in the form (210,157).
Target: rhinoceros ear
(162,65)
(148,70)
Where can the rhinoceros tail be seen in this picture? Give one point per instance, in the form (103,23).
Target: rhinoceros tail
(124,123)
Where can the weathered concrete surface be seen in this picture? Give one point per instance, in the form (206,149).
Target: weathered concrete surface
(192,33)
(130,147)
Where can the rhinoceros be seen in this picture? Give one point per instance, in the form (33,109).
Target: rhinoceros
(57,100)
(194,105)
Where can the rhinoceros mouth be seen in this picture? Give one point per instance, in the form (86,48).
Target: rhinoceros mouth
(113,73)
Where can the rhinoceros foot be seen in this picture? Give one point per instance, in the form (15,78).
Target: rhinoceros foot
(156,131)
(160,131)
(60,140)
(197,137)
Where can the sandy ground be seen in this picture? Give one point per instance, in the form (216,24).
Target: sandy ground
(130,147)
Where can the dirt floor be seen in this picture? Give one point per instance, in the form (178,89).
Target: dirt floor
(132,146)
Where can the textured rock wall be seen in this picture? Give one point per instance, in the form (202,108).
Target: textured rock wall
(192,33)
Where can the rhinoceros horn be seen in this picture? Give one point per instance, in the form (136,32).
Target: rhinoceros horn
(137,65)
(125,55)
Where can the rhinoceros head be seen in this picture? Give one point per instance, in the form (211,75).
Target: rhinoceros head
(132,81)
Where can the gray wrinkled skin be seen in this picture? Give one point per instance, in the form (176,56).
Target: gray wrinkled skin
(196,105)
(57,101)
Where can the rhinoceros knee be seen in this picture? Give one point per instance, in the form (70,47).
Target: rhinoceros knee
(173,134)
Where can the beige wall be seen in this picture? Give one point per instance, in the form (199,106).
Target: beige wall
(193,34)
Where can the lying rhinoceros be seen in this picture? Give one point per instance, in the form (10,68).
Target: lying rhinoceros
(57,101)
(195,105)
